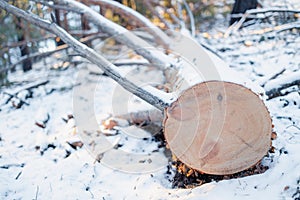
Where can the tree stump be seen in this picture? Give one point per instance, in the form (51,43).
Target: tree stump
(218,128)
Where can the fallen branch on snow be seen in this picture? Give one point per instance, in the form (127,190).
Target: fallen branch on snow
(21,101)
(252,14)
(275,88)
(263,81)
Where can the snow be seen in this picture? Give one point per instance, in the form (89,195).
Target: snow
(38,163)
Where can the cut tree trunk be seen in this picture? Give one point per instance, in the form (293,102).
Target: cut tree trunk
(213,126)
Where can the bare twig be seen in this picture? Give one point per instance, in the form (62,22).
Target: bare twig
(15,96)
(253,12)
(209,48)
(173,16)
(266,10)
(19,174)
(154,12)
(34,85)
(37,192)
(191,16)
(12,165)
(30,87)
(263,81)
(179,12)
(48,53)
(5,47)
(120,63)
(276,29)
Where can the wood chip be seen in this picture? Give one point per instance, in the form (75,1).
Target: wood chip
(274,136)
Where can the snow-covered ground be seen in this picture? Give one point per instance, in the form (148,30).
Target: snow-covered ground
(47,163)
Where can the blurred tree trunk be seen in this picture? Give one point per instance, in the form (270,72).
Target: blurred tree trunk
(3,72)
(241,6)
(57,17)
(23,36)
(85,27)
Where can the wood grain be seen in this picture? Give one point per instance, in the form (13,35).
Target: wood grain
(218,128)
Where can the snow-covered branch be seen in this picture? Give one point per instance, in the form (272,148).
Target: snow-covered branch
(275,88)
(50,4)
(253,14)
(108,68)
(135,16)
(123,35)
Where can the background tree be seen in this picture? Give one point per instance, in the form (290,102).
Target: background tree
(241,6)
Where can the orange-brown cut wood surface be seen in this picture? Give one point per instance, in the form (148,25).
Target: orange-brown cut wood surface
(218,127)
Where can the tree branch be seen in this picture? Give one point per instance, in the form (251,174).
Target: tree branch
(133,15)
(108,68)
(47,53)
(124,36)
(55,6)
(191,16)
(154,12)
(250,13)
(274,88)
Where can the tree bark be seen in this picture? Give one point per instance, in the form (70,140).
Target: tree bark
(218,128)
